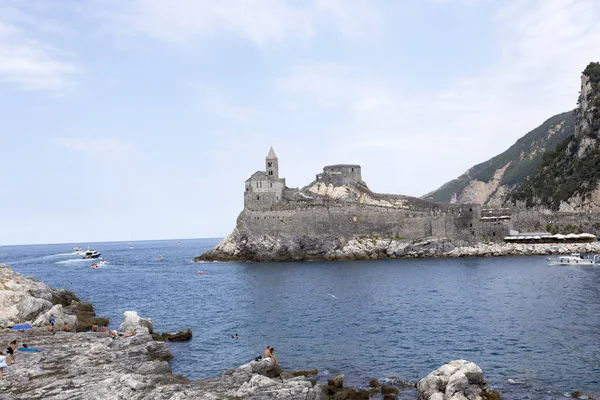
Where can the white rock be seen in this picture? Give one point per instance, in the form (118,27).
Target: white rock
(60,318)
(457,380)
(133,320)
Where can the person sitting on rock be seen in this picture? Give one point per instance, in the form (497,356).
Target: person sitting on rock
(132,332)
(94,328)
(66,327)
(273,357)
(114,334)
(267,352)
(104,328)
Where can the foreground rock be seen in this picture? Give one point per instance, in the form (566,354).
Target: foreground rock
(237,247)
(457,380)
(94,366)
(27,300)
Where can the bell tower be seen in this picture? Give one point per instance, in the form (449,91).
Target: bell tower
(272,165)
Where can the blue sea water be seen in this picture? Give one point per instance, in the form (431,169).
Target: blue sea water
(534,329)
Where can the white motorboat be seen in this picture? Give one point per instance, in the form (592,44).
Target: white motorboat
(91,254)
(102,262)
(574,259)
(78,250)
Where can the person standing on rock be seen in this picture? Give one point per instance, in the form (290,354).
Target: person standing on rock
(10,350)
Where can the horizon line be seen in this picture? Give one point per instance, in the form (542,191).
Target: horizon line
(108,241)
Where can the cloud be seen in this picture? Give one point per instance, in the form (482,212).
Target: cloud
(33,65)
(260,21)
(101,145)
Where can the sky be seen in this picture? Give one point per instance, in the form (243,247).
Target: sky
(141,119)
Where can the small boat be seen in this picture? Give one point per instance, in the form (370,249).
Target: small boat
(77,250)
(91,254)
(574,259)
(94,266)
(102,262)
(131,246)
(201,272)
(159,258)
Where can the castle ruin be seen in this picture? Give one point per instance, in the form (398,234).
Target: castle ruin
(339,204)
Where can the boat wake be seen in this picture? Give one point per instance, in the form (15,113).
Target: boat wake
(62,255)
(77,260)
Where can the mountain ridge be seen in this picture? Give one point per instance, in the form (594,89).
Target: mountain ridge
(554,167)
(491,182)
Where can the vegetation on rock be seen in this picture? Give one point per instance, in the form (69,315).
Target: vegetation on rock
(561,176)
(593,72)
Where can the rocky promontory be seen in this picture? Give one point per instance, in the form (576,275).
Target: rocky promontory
(238,247)
(27,299)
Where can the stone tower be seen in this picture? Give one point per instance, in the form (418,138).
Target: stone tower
(272,165)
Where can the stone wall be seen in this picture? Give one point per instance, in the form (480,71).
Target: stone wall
(347,221)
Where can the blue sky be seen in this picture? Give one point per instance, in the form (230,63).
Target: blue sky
(141,119)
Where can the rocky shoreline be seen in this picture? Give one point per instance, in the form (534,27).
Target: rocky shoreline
(240,247)
(94,365)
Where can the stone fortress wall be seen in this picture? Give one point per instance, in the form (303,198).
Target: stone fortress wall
(270,208)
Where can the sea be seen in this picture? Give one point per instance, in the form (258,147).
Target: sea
(534,329)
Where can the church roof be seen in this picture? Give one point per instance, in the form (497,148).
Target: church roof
(271,153)
(258,175)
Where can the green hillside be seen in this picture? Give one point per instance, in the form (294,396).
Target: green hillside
(524,157)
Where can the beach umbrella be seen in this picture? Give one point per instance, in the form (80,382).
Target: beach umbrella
(21,327)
